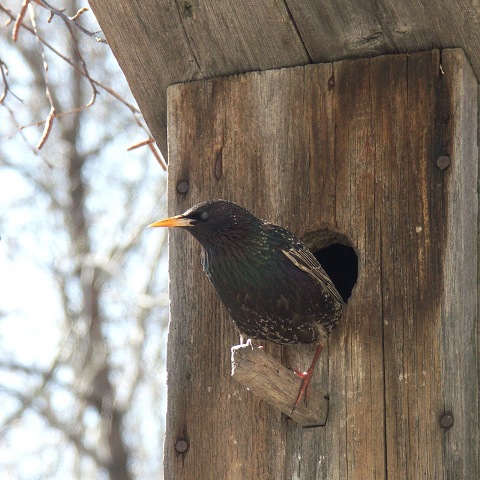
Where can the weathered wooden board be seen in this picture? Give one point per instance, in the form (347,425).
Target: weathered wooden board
(162,42)
(351,147)
(156,43)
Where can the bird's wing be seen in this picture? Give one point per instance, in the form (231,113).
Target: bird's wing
(302,258)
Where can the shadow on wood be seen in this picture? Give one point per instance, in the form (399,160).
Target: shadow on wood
(277,385)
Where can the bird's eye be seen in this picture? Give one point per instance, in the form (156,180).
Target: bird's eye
(204,216)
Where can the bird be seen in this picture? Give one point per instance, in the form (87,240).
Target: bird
(272,285)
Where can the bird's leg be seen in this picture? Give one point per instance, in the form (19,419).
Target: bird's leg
(306,379)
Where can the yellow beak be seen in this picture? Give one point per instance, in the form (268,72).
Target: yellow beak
(177,221)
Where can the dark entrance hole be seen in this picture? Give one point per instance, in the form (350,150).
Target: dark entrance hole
(341,264)
(336,255)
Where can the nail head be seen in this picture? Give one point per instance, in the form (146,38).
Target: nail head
(446,421)
(182,186)
(443,162)
(181,445)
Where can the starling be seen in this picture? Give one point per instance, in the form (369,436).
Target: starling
(271,284)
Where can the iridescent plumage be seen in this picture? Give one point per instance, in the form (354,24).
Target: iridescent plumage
(271,284)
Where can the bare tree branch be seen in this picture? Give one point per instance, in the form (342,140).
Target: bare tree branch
(77,440)
(19,20)
(142,313)
(151,144)
(80,12)
(35,180)
(84,71)
(6,88)
(48,94)
(47,44)
(98,365)
(28,400)
(72,20)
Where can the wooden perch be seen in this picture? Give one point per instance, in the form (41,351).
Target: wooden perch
(277,385)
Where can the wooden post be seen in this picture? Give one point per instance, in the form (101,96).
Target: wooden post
(384,152)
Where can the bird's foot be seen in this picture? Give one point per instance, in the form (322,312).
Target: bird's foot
(248,342)
(304,387)
(306,379)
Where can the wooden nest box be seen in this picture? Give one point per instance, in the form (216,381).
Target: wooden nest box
(383,152)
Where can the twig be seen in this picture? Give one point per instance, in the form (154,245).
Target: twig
(85,69)
(109,90)
(19,20)
(6,87)
(139,144)
(37,181)
(72,20)
(4,70)
(52,114)
(151,145)
(141,316)
(95,83)
(41,122)
(27,401)
(19,129)
(47,129)
(70,432)
(43,409)
(79,13)
(157,156)
(48,93)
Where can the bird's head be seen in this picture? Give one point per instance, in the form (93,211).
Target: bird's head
(214,222)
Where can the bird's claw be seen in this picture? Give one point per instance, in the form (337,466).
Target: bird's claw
(304,388)
(297,373)
(246,343)
(249,343)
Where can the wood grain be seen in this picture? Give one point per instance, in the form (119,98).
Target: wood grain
(277,385)
(162,42)
(459,324)
(351,147)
